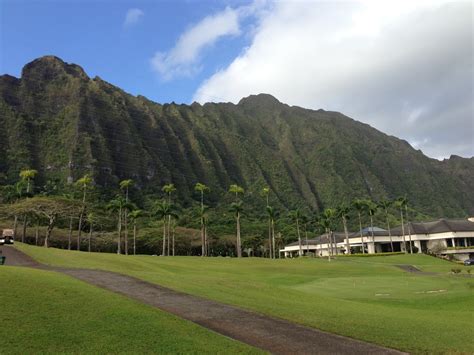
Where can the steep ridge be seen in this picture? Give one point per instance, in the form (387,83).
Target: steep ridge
(61,122)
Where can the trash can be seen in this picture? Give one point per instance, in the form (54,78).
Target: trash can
(2,259)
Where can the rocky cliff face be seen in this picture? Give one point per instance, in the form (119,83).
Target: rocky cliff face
(61,122)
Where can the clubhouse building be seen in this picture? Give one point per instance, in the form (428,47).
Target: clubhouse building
(447,237)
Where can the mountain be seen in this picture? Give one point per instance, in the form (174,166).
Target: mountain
(64,124)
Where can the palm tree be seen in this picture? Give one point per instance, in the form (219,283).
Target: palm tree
(266,193)
(125,186)
(304,223)
(324,221)
(343,212)
(371,209)
(329,214)
(162,211)
(400,204)
(83,183)
(408,224)
(236,207)
(272,214)
(201,188)
(118,205)
(385,205)
(135,215)
(359,206)
(28,175)
(295,216)
(169,189)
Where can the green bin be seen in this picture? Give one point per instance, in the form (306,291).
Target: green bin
(2,260)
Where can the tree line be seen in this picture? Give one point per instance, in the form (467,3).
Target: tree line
(79,207)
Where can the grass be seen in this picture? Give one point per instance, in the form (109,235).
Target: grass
(47,312)
(364,298)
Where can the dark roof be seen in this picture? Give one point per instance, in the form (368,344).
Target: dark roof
(367,231)
(439,226)
(323,238)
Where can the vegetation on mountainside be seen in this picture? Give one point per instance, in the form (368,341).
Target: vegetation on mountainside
(364,298)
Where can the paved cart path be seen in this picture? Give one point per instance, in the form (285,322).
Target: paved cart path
(275,335)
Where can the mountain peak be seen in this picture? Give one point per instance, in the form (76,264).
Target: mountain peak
(259,99)
(49,67)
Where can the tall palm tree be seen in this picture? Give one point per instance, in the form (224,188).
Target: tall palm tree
(371,209)
(266,194)
(400,204)
(169,189)
(272,214)
(385,205)
(304,224)
(295,216)
(91,219)
(83,183)
(135,215)
(201,188)
(324,221)
(28,175)
(343,212)
(330,214)
(236,208)
(359,207)
(118,205)
(125,186)
(162,212)
(408,225)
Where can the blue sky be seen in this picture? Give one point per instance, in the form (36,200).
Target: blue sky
(94,35)
(404,67)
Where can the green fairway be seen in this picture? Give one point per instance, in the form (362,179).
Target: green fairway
(365,298)
(46,312)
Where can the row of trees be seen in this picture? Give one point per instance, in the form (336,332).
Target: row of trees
(75,206)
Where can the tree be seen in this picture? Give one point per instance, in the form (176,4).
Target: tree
(359,206)
(135,215)
(371,209)
(343,212)
(12,194)
(201,188)
(329,214)
(272,215)
(400,204)
(51,208)
(163,210)
(28,175)
(125,186)
(169,189)
(236,207)
(91,219)
(324,221)
(83,183)
(295,216)
(118,205)
(271,251)
(385,205)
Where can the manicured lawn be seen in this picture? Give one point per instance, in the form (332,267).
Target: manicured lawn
(365,298)
(47,312)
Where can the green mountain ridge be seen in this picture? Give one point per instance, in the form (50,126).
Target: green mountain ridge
(64,124)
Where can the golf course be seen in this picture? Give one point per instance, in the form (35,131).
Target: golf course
(366,298)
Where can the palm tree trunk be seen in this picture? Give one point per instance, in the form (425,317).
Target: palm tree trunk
(69,236)
(36,232)
(206,241)
(239,249)
(299,237)
(270,254)
(79,229)
(306,239)
(327,244)
(173,238)
(168,235)
(15,226)
(90,238)
(134,238)
(389,233)
(25,223)
(273,238)
(119,227)
(126,231)
(164,236)
(203,242)
(409,229)
(48,231)
(361,236)
(372,231)
(346,233)
(403,232)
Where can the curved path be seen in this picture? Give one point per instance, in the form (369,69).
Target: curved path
(275,335)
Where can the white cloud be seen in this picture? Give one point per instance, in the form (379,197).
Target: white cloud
(183,58)
(405,67)
(132,17)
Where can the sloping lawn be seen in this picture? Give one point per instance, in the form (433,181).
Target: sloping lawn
(365,298)
(47,312)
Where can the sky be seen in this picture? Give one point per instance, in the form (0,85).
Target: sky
(404,67)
